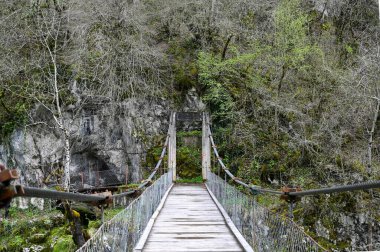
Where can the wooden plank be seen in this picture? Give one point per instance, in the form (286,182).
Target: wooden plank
(190,221)
(150,224)
(168,248)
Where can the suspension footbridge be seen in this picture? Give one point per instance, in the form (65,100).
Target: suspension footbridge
(190,220)
(213,216)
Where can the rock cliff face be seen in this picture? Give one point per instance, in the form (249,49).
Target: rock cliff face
(340,230)
(102,138)
(108,143)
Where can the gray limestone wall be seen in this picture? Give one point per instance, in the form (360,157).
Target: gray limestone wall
(103,137)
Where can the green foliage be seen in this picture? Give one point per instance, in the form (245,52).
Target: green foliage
(153,156)
(188,162)
(282,61)
(222,80)
(195,180)
(188,157)
(17,241)
(111,212)
(35,228)
(351,48)
(291,44)
(13,113)
(64,243)
(188,154)
(44,229)
(184,65)
(94,225)
(327,26)
(60,239)
(193,133)
(359,167)
(237,90)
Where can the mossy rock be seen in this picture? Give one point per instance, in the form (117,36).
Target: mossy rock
(38,238)
(84,209)
(60,239)
(93,227)
(358,166)
(64,243)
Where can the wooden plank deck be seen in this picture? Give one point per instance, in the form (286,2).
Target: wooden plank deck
(190,221)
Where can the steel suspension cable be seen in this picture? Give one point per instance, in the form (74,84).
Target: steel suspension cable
(257,189)
(52,194)
(227,171)
(340,188)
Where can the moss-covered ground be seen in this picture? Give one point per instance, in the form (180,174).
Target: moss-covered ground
(35,230)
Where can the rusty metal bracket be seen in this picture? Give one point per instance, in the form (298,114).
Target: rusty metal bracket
(290,198)
(8,192)
(8,175)
(108,199)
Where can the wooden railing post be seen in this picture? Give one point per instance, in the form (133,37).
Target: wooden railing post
(172,162)
(206,147)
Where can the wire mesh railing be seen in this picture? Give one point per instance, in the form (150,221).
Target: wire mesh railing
(123,231)
(262,229)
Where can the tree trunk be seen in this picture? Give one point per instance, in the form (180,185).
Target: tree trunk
(226,47)
(283,73)
(75,225)
(66,180)
(370,140)
(369,171)
(213,3)
(59,118)
(212,13)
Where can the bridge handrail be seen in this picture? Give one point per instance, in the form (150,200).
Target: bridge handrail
(257,189)
(264,230)
(124,230)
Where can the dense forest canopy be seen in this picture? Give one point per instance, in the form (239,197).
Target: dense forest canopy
(293,86)
(298,73)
